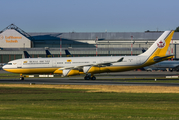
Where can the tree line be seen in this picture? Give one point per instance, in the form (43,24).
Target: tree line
(177,29)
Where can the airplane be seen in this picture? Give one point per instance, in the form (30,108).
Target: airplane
(68,54)
(164,65)
(26,54)
(143,50)
(171,65)
(92,65)
(48,54)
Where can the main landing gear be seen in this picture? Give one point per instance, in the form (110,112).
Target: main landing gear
(21,77)
(89,77)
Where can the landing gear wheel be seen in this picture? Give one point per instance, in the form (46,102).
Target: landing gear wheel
(87,77)
(93,78)
(21,78)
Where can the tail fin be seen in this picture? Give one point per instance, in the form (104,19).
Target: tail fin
(26,55)
(143,50)
(68,54)
(48,54)
(160,46)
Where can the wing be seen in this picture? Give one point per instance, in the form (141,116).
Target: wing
(98,64)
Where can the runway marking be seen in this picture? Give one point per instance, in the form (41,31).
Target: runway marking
(104,88)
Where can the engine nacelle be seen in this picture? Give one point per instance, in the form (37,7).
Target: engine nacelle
(94,69)
(86,69)
(91,69)
(69,72)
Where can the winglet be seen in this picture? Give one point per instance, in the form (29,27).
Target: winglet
(120,60)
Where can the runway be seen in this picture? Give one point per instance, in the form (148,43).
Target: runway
(102,79)
(83,82)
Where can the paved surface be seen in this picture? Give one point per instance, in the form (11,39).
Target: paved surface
(102,79)
(82,82)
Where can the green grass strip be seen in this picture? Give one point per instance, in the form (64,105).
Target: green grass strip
(67,104)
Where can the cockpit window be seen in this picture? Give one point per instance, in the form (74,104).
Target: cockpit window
(9,63)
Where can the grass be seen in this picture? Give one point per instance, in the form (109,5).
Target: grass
(103,88)
(9,75)
(20,103)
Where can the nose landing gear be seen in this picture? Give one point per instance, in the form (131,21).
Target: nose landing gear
(21,77)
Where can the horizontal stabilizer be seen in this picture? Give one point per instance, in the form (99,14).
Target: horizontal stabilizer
(158,59)
(120,60)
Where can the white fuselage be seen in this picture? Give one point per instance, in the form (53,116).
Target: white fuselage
(49,65)
(68,66)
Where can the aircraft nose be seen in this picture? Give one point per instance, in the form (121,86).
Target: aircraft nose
(3,67)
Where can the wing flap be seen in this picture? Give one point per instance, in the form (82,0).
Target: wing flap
(98,64)
(109,63)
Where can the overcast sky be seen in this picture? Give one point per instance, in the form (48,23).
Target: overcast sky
(90,15)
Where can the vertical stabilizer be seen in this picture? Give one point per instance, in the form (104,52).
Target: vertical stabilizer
(160,46)
(68,54)
(26,55)
(48,54)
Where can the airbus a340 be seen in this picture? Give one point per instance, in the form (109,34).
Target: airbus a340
(69,66)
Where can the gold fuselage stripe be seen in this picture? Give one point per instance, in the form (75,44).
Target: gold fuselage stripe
(31,70)
(55,70)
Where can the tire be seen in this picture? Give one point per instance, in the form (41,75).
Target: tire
(21,78)
(93,78)
(87,78)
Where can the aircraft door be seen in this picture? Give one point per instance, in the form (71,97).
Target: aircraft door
(19,64)
(54,63)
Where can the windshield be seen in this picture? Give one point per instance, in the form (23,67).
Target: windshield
(9,63)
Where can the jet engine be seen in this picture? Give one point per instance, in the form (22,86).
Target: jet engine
(94,69)
(70,72)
